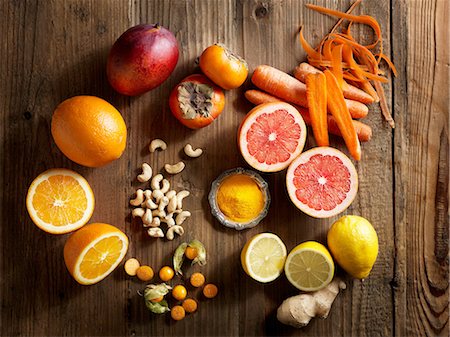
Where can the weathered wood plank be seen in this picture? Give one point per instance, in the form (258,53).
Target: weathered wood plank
(421,169)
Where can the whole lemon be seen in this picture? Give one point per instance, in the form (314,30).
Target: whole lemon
(89,130)
(353,242)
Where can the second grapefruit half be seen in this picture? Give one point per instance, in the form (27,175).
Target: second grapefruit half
(322,182)
(271,136)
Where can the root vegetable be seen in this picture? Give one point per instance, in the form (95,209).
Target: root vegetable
(288,88)
(350,91)
(316,92)
(299,310)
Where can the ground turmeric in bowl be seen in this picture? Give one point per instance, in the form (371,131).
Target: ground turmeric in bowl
(239,198)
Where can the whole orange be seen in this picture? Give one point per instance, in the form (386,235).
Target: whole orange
(89,130)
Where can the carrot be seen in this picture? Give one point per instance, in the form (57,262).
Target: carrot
(280,84)
(288,88)
(339,110)
(316,94)
(350,91)
(363,131)
(383,105)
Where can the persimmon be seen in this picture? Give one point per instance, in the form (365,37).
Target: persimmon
(196,101)
(224,68)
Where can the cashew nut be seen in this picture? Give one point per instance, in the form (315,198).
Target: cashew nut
(147,218)
(159,213)
(139,198)
(169,220)
(180,196)
(158,195)
(175,168)
(146,173)
(181,217)
(157,144)
(163,203)
(172,206)
(174,230)
(149,203)
(155,232)
(165,186)
(156,222)
(138,212)
(177,211)
(155,182)
(171,194)
(190,152)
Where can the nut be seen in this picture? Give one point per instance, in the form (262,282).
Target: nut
(165,186)
(158,195)
(156,222)
(171,194)
(138,212)
(180,196)
(159,213)
(157,144)
(172,206)
(175,168)
(147,219)
(174,230)
(146,173)
(155,232)
(169,220)
(190,152)
(155,182)
(181,217)
(139,198)
(163,203)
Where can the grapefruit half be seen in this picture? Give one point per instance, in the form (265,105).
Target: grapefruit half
(322,182)
(271,136)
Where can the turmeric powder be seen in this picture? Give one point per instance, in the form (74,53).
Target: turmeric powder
(240,198)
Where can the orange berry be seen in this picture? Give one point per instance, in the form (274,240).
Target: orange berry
(191,253)
(166,273)
(210,290)
(179,292)
(177,313)
(190,305)
(144,273)
(197,280)
(157,300)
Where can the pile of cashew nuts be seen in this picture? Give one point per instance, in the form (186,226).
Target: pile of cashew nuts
(160,204)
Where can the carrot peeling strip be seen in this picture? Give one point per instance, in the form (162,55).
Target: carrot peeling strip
(383,105)
(389,63)
(316,94)
(363,19)
(338,108)
(306,46)
(336,65)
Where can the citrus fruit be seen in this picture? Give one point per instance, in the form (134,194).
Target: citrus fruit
(271,136)
(354,244)
(89,130)
(322,182)
(94,251)
(60,201)
(263,257)
(309,266)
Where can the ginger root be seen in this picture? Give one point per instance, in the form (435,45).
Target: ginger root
(298,310)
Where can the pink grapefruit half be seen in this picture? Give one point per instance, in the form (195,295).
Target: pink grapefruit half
(271,136)
(322,182)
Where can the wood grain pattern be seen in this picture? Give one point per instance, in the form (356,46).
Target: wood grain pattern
(51,50)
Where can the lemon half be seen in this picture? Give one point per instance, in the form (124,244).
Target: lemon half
(263,257)
(309,266)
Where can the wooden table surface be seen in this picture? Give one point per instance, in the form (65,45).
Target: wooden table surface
(52,50)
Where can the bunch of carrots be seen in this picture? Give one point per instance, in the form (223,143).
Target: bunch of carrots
(333,88)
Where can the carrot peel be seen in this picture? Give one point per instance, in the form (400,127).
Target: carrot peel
(338,108)
(316,94)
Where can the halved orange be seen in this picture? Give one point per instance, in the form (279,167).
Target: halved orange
(94,251)
(60,201)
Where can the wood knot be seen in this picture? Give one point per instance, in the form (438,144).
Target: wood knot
(27,115)
(261,11)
